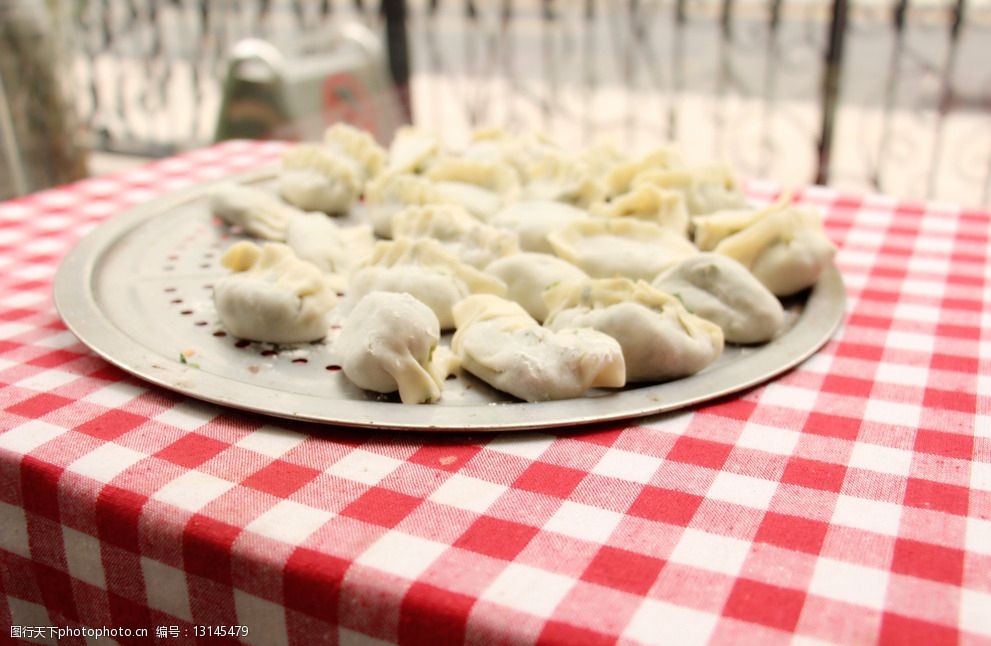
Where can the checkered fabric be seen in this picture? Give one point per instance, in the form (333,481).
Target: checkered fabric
(848,501)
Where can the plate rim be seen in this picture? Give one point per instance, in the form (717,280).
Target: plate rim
(75,301)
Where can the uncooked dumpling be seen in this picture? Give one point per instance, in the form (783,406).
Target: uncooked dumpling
(721,290)
(650,203)
(257,211)
(498,342)
(610,247)
(389,342)
(468,238)
(335,249)
(706,188)
(660,339)
(315,178)
(412,150)
(534,220)
(390,193)
(272,295)
(481,187)
(527,275)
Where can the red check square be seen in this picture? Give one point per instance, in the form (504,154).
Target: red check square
(897,629)
(926,494)
(280,478)
(550,479)
(741,409)
(623,570)
(665,505)
(792,532)
(765,604)
(39,405)
(111,425)
(191,450)
(449,457)
(501,539)
(55,358)
(928,561)
(950,400)
(206,548)
(951,445)
(558,632)
(703,453)
(312,583)
(430,615)
(844,428)
(381,507)
(814,474)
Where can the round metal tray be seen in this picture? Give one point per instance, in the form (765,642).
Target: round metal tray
(137,290)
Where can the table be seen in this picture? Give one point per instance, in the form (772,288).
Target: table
(847,501)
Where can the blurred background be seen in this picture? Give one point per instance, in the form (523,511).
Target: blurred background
(890,96)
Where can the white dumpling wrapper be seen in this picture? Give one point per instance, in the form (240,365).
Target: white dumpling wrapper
(412,150)
(390,193)
(358,145)
(481,187)
(711,229)
(334,249)
(422,268)
(272,295)
(564,178)
(316,178)
(610,247)
(650,203)
(622,173)
(527,275)
(498,342)
(389,342)
(721,290)
(786,249)
(706,188)
(661,340)
(468,238)
(255,210)
(534,220)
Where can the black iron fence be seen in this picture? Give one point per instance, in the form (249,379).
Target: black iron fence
(892,96)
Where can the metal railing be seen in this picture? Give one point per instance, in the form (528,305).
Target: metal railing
(865,95)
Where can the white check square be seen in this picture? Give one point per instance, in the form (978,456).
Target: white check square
(883,459)
(271,441)
(28,436)
(875,516)
(895,373)
(659,622)
(742,490)
(47,380)
(465,492)
(115,395)
(626,465)
(769,439)
(188,416)
(401,554)
(711,552)
(980,476)
(917,312)
(982,423)
(14,531)
(106,462)
(193,490)
(850,583)
(166,588)
(910,341)
(893,413)
(975,612)
(789,396)
(583,521)
(525,445)
(82,555)
(266,620)
(290,522)
(364,466)
(978,539)
(25,613)
(528,589)
(9,330)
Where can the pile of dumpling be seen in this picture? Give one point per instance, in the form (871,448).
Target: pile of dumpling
(558,272)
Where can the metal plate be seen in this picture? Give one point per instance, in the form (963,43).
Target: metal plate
(137,290)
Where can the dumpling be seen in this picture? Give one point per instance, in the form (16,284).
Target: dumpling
(412,150)
(423,268)
(257,211)
(534,220)
(786,248)
(315,178)
(272,295)
(660,339)
(527,275)
(706,188)
(721,290)
(622,173)
(388,194)
(498,342)
(357,145)
(334,249)
(649,203)
(481,187)
(469,239)
(562,177)
(609,247)
(711,229)
(389,342)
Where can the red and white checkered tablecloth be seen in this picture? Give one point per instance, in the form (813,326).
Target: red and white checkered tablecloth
(848,501)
